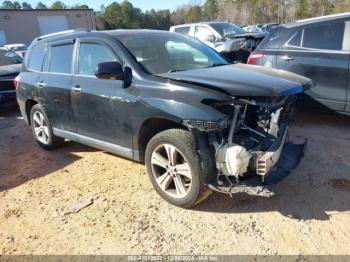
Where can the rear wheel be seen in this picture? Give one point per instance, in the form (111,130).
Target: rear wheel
(174,168)
(42,130)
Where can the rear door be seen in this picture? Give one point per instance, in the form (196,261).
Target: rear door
(320,52)
(55,83)
(102,107)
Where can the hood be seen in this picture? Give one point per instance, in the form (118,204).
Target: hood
(10,69)
(257,35)
(244,80)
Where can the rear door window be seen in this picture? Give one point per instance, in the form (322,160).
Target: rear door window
(61,59)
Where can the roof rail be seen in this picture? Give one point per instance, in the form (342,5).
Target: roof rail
(323,17)
(77,30)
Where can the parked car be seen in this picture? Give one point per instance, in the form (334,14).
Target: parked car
(19,49)
(10,66)
(232,41)
(253,28)
(317,48)
(260,27)
(268,27)
(166,100)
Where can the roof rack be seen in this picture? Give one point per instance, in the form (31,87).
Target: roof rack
(67,32)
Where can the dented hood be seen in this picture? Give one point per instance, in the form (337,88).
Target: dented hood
(10,69)
(256,35)
(244,80)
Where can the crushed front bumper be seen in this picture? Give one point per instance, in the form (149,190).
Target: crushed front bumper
(274,166)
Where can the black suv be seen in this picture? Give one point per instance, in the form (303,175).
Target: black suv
(317,48)
(164,99)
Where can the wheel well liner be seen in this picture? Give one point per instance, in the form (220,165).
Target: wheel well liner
(29,104)
(150,128)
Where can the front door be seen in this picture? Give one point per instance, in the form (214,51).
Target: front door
(320,53)
(102,107)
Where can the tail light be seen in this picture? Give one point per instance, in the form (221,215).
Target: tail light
(254,57)
(16,82)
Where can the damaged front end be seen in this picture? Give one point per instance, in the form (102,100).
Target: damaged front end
(252,148)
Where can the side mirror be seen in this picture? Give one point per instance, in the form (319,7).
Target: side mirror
(110,70)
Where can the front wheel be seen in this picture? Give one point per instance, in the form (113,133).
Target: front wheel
(174,168)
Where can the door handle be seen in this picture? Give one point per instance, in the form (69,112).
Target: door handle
(287,58)
(76,89)
(41,84)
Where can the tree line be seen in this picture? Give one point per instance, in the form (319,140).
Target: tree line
(40,5)
(242,12)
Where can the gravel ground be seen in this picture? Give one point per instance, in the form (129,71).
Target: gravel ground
(124,215)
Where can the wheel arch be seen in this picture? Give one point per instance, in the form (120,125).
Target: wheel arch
(28,107)
(150,128)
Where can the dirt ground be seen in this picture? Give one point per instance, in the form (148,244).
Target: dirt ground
(309,215)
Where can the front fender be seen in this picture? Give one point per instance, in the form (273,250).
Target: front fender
(179,111)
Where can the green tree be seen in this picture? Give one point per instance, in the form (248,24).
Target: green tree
(211,9)
(17,5)
(101,23)
(163,19)
(302,10)
(41,5)
(8,5)
(178,15)
(149,20)
(341,6)
(111,15)
(58,5)
(25,5)
(130,17)
(81,7)
(194,14)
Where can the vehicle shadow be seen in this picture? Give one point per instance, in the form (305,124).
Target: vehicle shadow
(318,188)
(21,158)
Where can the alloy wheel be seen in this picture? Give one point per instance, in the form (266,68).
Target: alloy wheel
(40,127)
(171,170)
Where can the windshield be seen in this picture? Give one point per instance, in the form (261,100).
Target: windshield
(227,29)
(9,58)
(162,53)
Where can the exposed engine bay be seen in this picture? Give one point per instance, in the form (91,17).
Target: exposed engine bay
(252,143)
(238,48)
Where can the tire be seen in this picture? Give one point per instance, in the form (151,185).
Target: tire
(184,167)
(45,137)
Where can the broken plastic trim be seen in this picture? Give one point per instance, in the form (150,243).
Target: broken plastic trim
(242,188)
(254,186)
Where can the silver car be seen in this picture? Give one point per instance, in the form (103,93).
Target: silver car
(226,38)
